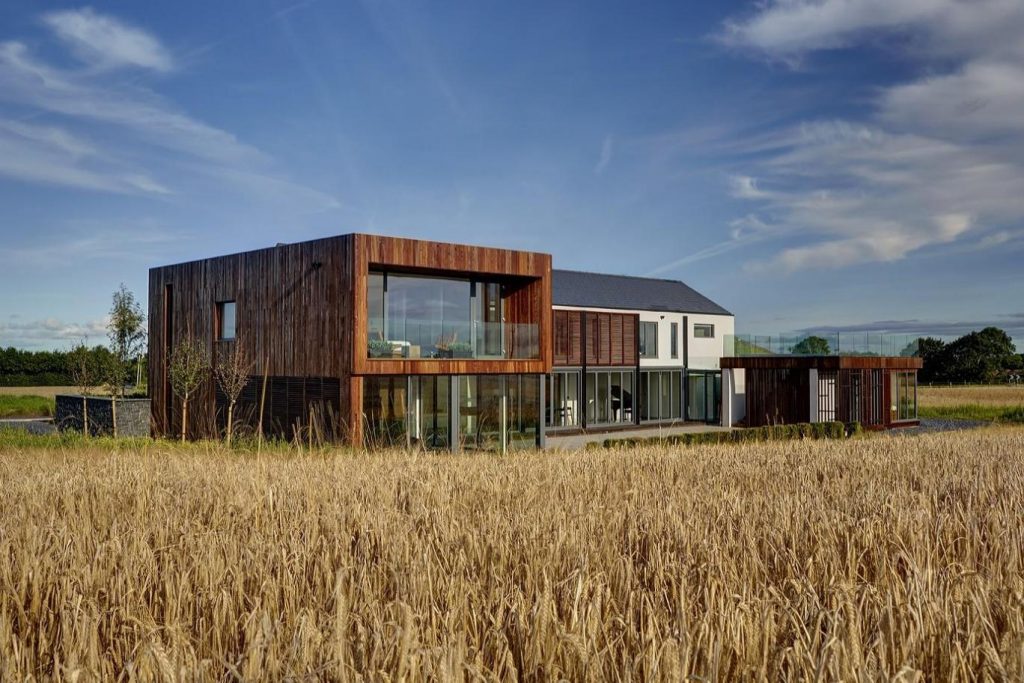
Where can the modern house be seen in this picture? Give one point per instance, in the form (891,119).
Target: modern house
(631,351)
(381,339)
(387,341)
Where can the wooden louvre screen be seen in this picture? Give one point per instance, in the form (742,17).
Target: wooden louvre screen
(291,405)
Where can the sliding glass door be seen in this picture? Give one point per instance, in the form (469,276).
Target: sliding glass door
(703,396)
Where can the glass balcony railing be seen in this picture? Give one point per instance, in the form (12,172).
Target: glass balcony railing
(833,344)
(433,340)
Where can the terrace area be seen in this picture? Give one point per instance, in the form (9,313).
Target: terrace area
(865,344)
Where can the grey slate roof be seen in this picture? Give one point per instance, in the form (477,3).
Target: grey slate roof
(597,290)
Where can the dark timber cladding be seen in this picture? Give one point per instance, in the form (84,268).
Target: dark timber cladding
(848,389)
(302,321)
(294,309)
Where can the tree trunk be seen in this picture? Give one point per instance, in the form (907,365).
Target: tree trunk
(184,417)
(113,414)
(85,415)
(231,409)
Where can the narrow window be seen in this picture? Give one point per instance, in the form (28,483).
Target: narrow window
(704,331)
(674,343)
(226,321)
(649,340)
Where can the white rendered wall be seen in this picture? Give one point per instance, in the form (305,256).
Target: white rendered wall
(734,397)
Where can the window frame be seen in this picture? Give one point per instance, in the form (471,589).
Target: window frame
(219,326)
(645,342)
(673,343)
(708,327)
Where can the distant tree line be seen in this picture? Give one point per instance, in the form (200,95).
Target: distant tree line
(983,357)
(20,368)
(122,362)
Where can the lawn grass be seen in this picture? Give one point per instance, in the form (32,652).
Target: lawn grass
(25,406)
(973,411)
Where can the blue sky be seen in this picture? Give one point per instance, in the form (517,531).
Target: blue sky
(807,164)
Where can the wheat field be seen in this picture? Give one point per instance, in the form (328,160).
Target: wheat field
(886,558)
(999,395)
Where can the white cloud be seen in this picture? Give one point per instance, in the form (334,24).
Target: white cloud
(118,136)
(787,29)
(745,187)
(940,157)
(50,332)
(29,82)
(104,42)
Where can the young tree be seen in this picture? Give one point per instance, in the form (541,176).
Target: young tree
(232,373)
(113,373)
(189,365)
(83,370)
(127,335)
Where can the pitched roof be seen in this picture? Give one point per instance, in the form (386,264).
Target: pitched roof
(598,290)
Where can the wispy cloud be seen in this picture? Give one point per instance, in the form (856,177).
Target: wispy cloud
(118,136)
(941,156)
(91,240)
(106,43)
(54,156)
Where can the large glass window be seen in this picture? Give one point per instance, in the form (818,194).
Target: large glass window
(523,408)
(385,405)
(660,395)
(563,409)
(904,395)
(648,339)
(429,411)
(703,396)
(481,412)
(609,397)
(417,316)
(496,412)
(427,317)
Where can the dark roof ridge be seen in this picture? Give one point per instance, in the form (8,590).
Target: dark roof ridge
(631,277)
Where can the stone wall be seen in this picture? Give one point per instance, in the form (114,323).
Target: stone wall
(132,415)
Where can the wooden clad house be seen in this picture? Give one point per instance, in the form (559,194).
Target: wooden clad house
(374,339)
(399,342)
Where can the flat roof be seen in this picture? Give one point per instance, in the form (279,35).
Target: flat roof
(823,362)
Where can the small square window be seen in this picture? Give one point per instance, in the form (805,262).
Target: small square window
(704,331)
(226,321)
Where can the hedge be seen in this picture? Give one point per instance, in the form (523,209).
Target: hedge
(804,430)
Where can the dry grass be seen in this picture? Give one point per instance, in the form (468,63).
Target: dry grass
(45,392)
(1004,396)
(879,559)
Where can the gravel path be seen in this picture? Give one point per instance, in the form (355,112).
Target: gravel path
(32,426)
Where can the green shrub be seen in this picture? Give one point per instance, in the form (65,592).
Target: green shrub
(779,432)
